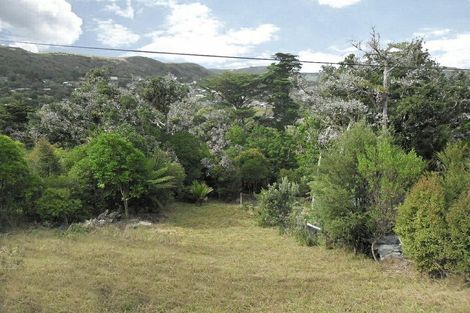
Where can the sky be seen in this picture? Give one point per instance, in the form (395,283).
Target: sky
(317,30)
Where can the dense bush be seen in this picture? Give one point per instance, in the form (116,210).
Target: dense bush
(58,205)
(276,203)
(254,169)
(190,152)
(434,220)
(275,145)
(18,186)
(226,181)
(43,159)
(422,227)
(458,220)
(389,173)
(60,201)
(360,182)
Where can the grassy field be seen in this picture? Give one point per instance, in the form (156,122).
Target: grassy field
(204,259)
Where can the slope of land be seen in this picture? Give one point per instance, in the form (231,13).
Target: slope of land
(18,64)
(203,259)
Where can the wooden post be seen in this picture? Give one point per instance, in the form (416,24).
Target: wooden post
(241,199)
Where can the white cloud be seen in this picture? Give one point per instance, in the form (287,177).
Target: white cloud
(51,21)
(127,11)
(451,51)
(25,46)
(114,35)
(192,28)
(337,4)
(431,32)
(309,55)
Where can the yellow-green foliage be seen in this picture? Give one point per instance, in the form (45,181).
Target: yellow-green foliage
(422,227)
(458,220)
(203,259)
(43,159)
(17,184)
(434,221)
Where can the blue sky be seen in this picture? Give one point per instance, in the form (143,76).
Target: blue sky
(313,29)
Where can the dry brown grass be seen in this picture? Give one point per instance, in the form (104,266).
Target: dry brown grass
(204,259)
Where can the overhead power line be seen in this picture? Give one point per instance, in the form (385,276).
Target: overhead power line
(207,55)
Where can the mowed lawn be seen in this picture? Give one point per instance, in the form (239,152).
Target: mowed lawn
(204,259)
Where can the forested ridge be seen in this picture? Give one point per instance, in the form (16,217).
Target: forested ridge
(378,145)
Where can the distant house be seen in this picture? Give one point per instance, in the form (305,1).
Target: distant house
(113,78)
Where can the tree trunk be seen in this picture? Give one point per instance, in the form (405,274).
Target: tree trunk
(126,208)
(125,200)
(386,84)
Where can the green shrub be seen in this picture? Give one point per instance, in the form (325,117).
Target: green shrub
(276,203)
(458,219)
(390,173)
(360,182)
(190,151)
(254,169)
(455,169)
(421,224)
(200,190)
(226,181)
(43,159)
(18,186)
(434,221)
(57,204)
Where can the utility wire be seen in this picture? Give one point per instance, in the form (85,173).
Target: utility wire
(209,55)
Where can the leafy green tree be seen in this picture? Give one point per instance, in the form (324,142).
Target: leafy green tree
(96,105)
(14,117)
(276,145)
(43,159)
(115,164)
(236,90)
(254,169)
(233,88)
(404,91)
(190,152)
(161,92)
(277,85)
(431,112)
(16,180)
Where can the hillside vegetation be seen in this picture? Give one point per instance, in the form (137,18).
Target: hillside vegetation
(20,64)
(203,259)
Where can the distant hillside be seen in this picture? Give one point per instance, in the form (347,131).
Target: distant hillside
(20,65)
(248,70)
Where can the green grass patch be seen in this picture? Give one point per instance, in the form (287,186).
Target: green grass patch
(204,259)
